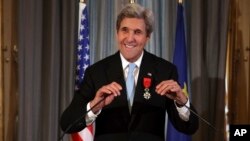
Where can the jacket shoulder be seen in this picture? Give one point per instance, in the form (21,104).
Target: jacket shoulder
(159,61)
(103,63)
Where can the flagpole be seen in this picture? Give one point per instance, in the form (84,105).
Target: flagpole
(132,1)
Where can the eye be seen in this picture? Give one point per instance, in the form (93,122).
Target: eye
(124,29)
(137,32)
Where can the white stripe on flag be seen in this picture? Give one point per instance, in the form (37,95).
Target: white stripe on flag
(86,135)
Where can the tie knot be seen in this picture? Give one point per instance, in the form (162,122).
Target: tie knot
(131,67)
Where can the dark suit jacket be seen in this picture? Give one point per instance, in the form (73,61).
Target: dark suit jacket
(147,119)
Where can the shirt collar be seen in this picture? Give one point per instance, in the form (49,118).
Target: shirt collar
(126,62)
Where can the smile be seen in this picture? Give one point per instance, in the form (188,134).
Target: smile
(129,46)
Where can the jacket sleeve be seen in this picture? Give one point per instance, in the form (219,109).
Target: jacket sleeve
(73,118)
(187,127)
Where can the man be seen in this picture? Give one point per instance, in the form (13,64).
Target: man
(130,114)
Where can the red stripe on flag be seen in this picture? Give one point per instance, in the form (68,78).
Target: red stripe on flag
(91,129)
(76,137)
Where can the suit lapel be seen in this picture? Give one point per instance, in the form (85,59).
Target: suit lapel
(114,73)
(146,69)
(114,70)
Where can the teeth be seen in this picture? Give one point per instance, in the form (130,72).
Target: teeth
(129,46)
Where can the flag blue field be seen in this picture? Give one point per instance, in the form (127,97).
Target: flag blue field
(180,60)
(82,51)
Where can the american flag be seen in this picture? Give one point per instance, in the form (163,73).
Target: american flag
(82,62)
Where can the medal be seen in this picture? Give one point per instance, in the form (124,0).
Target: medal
(146,84)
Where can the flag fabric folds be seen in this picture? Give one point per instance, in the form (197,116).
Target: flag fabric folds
(82,62)
(180,60)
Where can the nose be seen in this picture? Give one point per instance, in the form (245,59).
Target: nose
(130,37)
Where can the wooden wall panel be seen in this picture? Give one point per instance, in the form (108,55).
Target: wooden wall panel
(1,75)
(239,96)
(9,66)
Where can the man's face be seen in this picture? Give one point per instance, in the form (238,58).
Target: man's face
(132,38)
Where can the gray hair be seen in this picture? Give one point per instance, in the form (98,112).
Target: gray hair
(134,10)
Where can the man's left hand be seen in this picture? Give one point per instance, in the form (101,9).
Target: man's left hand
(172,90)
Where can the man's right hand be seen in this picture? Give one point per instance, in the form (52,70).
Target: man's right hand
(109,92)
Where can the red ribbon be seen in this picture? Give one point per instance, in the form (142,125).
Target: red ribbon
(146,82)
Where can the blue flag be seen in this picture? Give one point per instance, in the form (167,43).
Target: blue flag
(180,60)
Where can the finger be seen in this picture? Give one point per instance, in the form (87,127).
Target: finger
(113,89)
(173,88)
(163,88)
(160,85)
(117,87)
(167,90)
(172,85)
(166,82)
(104,90)
(109,99)
(176,88)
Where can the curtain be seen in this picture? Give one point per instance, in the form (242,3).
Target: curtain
(47,34)
(46,58)
(207,30)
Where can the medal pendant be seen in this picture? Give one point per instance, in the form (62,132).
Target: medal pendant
(146,94)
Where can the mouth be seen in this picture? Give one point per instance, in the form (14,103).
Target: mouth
(129,46)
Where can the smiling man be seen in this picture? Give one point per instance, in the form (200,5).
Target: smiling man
(135,87)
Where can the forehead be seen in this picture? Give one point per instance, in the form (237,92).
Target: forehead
(133,23)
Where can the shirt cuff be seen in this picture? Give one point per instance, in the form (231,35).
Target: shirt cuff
(183,111)
(91,117)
